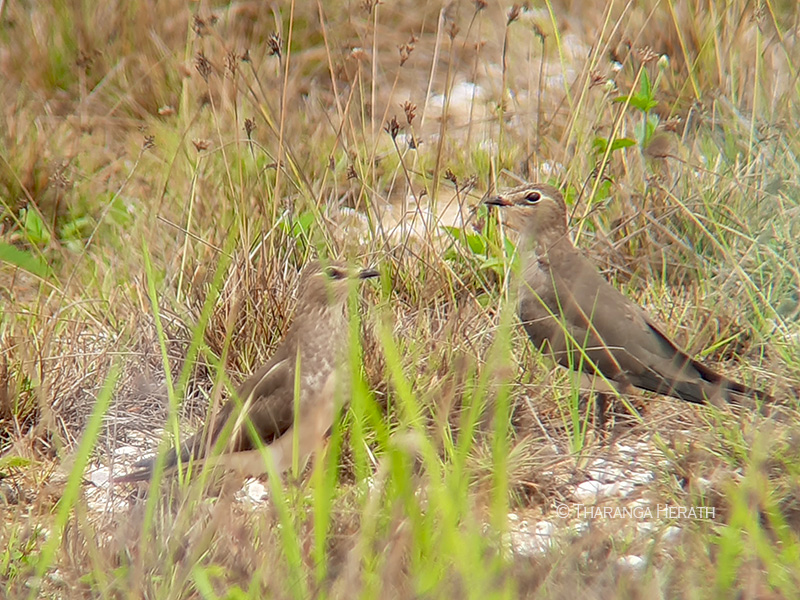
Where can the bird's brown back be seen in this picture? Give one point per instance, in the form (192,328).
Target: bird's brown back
(587,324)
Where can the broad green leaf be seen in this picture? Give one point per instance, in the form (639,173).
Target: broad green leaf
(35,228)
(476,243)
(24,260)
(601,144)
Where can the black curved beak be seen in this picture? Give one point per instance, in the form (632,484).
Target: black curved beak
(368,273)
(497,201)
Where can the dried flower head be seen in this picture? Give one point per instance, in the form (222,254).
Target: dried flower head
(84,61)
(513,14)
(406,49)
(275,45)
(203,66)
(59,178)
(199,26)
(369,5)
(201,145)
(646,54)
(231,62)
(411,111)
(149,142)
(249,127)
(392,127)
(452,30)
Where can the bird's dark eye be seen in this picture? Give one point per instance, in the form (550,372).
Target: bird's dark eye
(334,273)
(533,197)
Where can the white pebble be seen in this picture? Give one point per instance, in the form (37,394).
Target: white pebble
(605,472)
(622,489)
(641,477)
(588,491)
(100,476)
(645,527)
(624,449)
(671,534)
(631,562)
(256,491)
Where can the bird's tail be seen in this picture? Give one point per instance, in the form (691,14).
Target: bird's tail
(731,391)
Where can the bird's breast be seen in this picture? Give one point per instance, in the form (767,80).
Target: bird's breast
(324,349)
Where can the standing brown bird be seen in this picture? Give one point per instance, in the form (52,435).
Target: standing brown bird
(317,344)
(588,325)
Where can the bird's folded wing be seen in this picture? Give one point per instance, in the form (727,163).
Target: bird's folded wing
(619,337)
(624,342)
(266,399)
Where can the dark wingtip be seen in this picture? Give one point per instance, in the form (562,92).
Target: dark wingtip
(134,477)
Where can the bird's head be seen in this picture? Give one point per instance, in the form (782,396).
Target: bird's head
(326,284)
(536,210)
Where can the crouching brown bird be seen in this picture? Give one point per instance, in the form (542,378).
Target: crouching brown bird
(585,323)
(316,343)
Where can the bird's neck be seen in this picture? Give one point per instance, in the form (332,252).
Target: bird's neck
(546,243)
(321,326)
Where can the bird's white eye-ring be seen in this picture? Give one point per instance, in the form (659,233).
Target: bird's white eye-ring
(533,197)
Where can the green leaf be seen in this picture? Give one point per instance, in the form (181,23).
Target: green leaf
(474,241)
(646,90)
(35,228)
(119,212)
(299,226)
(637,101)
(14,462)
(643,104)
(509,247)
(23,260)
(492,263)
(644,100)
(77,229)
(644,131)
(302,224)
(454,231)
(601,144)
(622,143)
